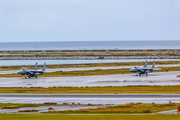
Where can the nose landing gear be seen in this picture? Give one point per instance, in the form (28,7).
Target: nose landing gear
(136,73)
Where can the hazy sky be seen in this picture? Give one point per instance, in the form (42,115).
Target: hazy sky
(86,20)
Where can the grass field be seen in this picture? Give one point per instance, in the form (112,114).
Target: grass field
(17,105)
(87,117)
(95,90)
(90,65)
(91,72)
(94,53)
(125,109)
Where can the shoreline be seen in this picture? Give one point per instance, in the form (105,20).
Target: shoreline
(93,50)
(89,54)
(89,57)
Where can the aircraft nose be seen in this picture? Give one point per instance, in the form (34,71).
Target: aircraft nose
(132,70)
(19,72)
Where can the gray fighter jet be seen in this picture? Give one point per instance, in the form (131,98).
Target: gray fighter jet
(143,70)
(32,73)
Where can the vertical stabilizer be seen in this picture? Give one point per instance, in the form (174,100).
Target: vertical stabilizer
(44,67)
(153,66)
(35,67)
(145,65)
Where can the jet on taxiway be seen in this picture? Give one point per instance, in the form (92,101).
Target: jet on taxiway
(143,70)
(32,73)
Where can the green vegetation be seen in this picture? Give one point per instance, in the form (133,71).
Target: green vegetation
(59,53)
(95,90)
(125,108)
(87,117)
(19,105)
(16,105)
(90,65)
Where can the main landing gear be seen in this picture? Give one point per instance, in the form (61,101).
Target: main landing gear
(141,74)
(29,76)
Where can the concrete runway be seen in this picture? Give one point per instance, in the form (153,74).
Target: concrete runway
(169,112)
(105,96)
(155,78)
(89,98)
(89,68)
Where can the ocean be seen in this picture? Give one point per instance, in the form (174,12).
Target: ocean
(90,45)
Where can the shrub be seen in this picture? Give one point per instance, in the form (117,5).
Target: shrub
(89,104)
(28,111)
(10,107)
(65,103)
(51,108)
(146,111)
(79,104)
(50,103)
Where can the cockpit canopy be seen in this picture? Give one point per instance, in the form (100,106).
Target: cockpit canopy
(23,69)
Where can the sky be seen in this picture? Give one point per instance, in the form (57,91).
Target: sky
(89,20)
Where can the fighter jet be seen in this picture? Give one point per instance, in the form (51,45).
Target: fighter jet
(32,73)
(143,70)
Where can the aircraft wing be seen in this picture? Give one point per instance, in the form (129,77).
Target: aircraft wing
(29,72)
(151,68)
(157,68)
(147,68)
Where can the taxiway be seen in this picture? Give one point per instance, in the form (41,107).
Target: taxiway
(89,98)
(155,78)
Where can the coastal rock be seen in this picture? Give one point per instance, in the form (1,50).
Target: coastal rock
(89,57)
